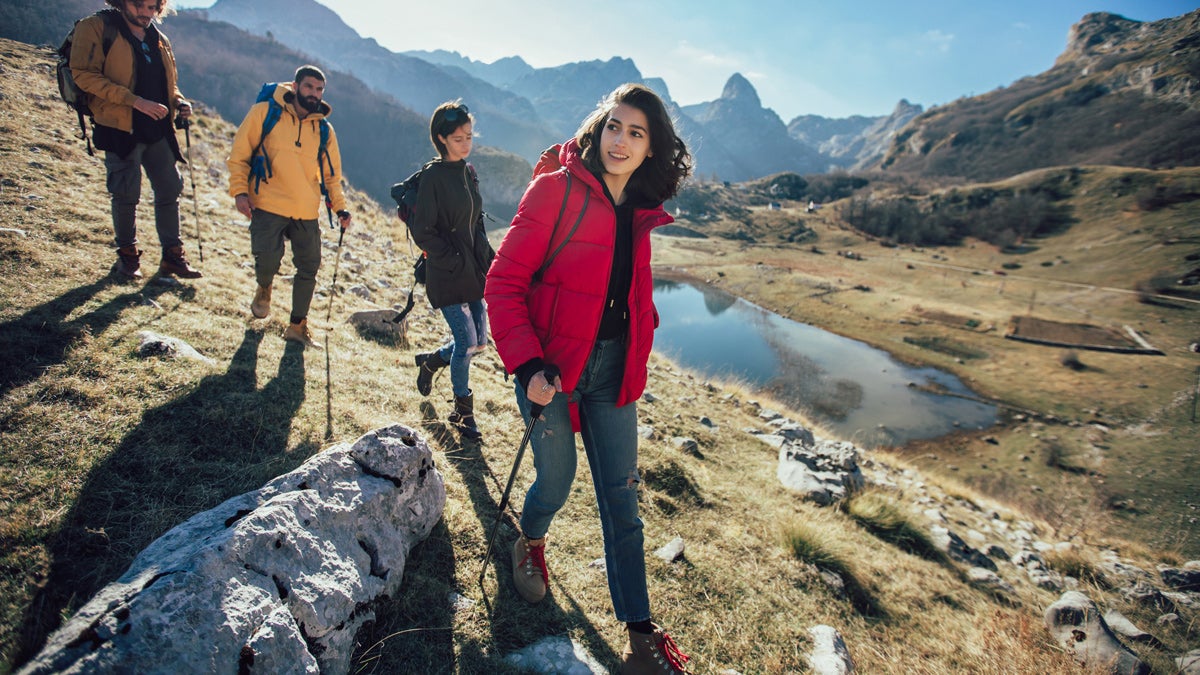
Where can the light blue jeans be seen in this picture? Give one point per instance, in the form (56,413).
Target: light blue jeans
(611,443)
(468,333)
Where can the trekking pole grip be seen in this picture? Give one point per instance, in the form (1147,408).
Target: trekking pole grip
(549,371)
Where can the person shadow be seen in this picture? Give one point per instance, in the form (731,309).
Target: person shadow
(419,623)
(39,339)
(186,456)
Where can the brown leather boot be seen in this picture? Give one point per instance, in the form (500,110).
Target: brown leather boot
(530,575)
(128,263)
(463,417)
(174,262)
(300,332)
(647,653)
(260,306)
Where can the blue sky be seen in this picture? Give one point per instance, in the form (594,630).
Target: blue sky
(829,58)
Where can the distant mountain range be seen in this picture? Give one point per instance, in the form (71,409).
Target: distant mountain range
(1123,92)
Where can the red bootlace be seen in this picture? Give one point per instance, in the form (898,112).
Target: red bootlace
(537,556)
(674,654)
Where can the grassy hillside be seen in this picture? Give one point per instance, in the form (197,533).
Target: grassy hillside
(101,451)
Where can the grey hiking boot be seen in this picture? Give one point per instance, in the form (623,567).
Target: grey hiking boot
(428,363)
(128,262)
(300,332)
(530,575)
(652,653)
(260,306)
(174,262)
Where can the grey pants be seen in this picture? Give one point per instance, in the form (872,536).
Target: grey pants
(267,234)
(125,185)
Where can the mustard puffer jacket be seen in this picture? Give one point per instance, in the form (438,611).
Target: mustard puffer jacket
(294,188)
(110,79)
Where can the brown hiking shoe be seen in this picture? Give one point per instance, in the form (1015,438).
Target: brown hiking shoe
(300,332)
(174,262)
(260,306)
(128,263)
(656,652)
(530,575)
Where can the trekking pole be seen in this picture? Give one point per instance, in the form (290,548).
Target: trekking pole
(337,257)
(550,372)
(185,123)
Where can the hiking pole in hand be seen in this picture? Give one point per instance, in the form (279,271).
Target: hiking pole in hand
(185,123)
(550,372)
(337,256)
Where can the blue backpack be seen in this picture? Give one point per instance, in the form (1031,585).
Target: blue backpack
(260,163)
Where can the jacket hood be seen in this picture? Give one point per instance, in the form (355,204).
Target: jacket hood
(284,95)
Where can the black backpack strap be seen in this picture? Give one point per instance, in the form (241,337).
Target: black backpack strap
(562,209)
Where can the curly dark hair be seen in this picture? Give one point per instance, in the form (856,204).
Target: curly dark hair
(661,174)
(164,6)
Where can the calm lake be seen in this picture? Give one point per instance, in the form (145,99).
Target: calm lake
(857,391)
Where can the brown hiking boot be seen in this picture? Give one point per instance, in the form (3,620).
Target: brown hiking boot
(428,363)
(128,263)
(260,306)
(530,575)
(656,652)
(174,262)
(300,332)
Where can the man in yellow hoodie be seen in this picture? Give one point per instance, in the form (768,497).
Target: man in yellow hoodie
(284,202)
(134,97)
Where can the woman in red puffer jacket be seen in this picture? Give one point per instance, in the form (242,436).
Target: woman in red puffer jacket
(571,288)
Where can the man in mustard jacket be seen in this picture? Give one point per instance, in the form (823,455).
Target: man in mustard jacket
(283,203)
(134,98)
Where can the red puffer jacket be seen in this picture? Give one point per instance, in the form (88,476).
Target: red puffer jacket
(557,317)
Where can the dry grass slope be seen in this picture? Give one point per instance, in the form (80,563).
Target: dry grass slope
(102,451)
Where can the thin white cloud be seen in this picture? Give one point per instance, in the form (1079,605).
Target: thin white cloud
(690,53)
(937,40)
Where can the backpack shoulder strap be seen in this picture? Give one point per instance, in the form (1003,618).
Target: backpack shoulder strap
(110,29)
(562,209)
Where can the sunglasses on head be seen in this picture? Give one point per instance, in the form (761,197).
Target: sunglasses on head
(453,113)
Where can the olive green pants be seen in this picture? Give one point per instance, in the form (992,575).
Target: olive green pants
(267,234)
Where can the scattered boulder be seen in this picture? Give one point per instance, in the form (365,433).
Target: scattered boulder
(557,654)
(952,545)
(1181,579)
(1076,624)
(1126,629)
(379,321)
(1189,663)
(672,551)
(989,581)
(1148,596)
(153,344)
(824,472)
(829,655)
(280,578)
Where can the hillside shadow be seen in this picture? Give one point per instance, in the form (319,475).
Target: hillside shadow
(188,455)
(39,338)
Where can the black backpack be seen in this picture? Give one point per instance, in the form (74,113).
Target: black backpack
(76,98)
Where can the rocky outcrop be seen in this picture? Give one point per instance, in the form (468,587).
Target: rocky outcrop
(277,580)
(1077,626)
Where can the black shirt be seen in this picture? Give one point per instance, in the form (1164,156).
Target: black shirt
(614,323)
(150,83)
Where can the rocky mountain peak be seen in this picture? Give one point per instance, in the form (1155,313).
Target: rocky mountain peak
(739,89)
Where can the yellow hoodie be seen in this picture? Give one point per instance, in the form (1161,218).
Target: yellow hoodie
(293,190)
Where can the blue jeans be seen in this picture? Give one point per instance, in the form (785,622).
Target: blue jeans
(611,443)
(468,332)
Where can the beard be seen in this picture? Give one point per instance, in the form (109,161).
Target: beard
(309,103)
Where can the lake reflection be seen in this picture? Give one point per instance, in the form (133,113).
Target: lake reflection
(857,391)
